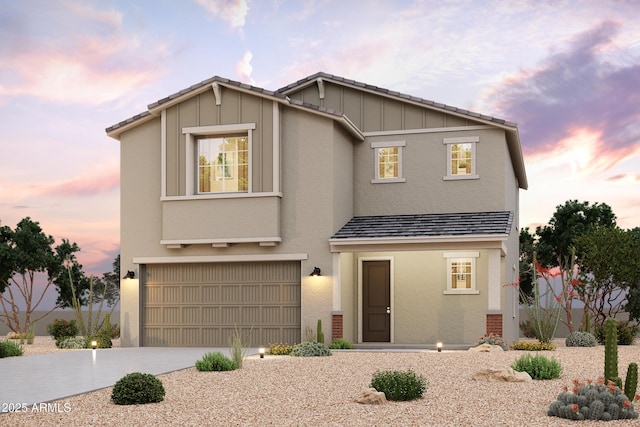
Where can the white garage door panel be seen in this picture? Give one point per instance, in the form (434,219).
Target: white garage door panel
(200,305)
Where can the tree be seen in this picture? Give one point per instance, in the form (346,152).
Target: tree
(27,253)
(555,245)
(526,267)
(609,272)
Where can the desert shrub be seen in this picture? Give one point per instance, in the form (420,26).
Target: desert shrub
(493,340)
(341,343)
(533,346)
(626,332)
(10,349)
(527,329)
(137,388)
(103,340)
(592,402)
(581,339)
(61,328)
(115,331)
(538,366)
(311,349)
(399,385)
(215,362)
(280,349)
(72,342)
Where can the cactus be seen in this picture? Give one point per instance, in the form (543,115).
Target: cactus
(587,322)
(593,402)
(631,381)
(319,333)
(610,350)
(107,325)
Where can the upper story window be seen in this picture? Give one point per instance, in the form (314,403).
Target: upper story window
(388,161)
(223,164)
(461,157)
(218,160)
(461,272)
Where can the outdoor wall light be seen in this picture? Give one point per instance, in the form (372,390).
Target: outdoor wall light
(261,350)
(94,344)
(315,272)
(439,346)
(130,275)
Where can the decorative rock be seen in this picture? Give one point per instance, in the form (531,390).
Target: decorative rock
(372,397)
(504,375)
(487,348)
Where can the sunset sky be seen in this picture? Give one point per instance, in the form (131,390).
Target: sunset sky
(568,72)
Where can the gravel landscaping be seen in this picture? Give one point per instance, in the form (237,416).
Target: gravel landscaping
(292,391)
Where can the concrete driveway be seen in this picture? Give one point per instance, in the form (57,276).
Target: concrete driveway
(35,379)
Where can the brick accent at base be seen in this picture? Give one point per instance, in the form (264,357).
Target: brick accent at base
(336,326)
(494,324)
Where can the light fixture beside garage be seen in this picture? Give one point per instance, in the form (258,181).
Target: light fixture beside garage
(315,272)
(130,275)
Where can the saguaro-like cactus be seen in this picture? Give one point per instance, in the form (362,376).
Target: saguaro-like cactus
(631,381)
(319,333)
(611,352)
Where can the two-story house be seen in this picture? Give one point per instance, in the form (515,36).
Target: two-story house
(234,197)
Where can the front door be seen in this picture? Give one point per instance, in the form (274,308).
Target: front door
(376,301)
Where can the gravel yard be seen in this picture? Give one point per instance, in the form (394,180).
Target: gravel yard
(320,391)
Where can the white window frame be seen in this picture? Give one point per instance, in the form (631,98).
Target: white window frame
(191,167)
(376,173)
(452,257)
(449,142)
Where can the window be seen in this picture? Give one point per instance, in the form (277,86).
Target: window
(388,162)
(461,271)
(218,160)
(223,164)
(461,157)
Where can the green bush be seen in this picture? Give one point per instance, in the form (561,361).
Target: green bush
(533,346)
(10,349)
(493,340)
(61,328)
(103,340)
(215,362)
(539,367)
(137,388)
(281,349)
(626,332)
(72,342)
(593,402)
(341,343)
(311,349)
(399,385)
(581,339)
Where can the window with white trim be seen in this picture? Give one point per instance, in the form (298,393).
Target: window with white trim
(223,164)
(388,161)
(461,272)
(461,157)
(218,160)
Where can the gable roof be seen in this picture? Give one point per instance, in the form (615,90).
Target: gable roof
(155,108)
(510,128)
(426,225)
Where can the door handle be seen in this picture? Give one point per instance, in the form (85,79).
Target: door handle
(388,310)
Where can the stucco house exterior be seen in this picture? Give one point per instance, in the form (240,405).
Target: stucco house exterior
(232,195)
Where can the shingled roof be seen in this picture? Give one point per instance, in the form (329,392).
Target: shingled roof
(426,225)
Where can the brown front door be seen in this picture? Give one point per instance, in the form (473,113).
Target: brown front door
(376,301)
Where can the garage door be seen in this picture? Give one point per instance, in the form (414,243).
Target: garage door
(200,305)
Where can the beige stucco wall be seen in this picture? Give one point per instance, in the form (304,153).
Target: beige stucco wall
(421,313)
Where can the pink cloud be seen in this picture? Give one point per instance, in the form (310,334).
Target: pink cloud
(244,69)
(98,64)
(577,92)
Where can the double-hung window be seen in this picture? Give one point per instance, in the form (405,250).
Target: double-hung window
(223,164)
(461,272)
(461,157)
(218,160)
(388,161)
